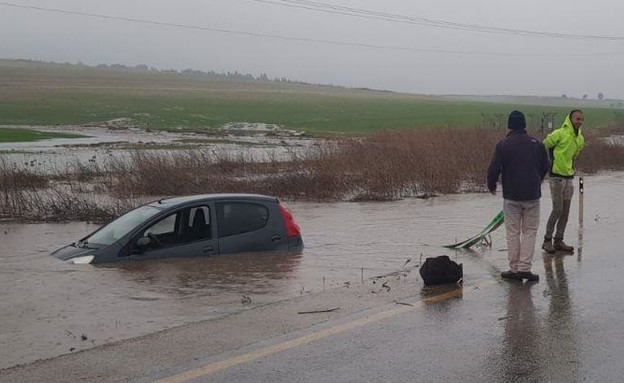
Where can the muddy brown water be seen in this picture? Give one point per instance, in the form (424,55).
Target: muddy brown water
(48,307)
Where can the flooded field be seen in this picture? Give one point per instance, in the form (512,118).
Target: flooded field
(100,144)
(51,308)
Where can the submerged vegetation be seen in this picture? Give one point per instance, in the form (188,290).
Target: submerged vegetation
(383,166)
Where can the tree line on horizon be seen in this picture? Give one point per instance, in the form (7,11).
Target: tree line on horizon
(143,68)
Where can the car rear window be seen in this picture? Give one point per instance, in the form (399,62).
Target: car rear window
(240,217)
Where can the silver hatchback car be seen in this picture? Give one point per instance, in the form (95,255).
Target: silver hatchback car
(200,225)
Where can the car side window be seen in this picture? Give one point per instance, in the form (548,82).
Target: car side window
(188,225)
(240,217)
(163,232)
(163,227)
(197,223)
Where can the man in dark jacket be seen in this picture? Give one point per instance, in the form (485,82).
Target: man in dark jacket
(523,163)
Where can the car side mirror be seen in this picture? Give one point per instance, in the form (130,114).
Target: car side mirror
(142,243)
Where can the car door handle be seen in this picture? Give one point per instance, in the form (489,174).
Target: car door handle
(208,249)
(276,237)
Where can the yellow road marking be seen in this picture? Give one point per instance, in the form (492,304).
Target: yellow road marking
(303,340)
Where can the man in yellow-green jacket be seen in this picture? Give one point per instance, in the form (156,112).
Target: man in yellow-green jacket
(564,145)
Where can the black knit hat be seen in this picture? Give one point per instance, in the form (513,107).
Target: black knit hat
(516,121)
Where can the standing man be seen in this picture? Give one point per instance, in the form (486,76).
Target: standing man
(564,145)
(523,163)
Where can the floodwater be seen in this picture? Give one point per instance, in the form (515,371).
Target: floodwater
(100,144)
(50,307)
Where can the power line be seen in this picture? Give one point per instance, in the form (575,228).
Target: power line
(299,39)
(435,23)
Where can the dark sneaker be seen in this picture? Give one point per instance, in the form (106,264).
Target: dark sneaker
(529,276)
(548,247)
(510,275)
(561,246)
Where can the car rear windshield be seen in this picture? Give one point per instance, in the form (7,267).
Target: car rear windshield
(123,225)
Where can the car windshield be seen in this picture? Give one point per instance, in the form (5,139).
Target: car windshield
(122,226)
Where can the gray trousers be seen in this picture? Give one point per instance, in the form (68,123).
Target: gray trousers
(561,191)
(521,223)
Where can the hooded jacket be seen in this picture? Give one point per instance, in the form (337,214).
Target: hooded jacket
(523,162)
(564,145)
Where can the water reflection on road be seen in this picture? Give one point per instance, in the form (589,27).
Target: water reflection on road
(49,307)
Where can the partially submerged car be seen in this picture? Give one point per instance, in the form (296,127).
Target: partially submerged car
(199,225)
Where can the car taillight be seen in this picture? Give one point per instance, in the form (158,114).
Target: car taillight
(292,229)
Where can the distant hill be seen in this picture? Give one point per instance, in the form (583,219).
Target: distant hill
(41,93)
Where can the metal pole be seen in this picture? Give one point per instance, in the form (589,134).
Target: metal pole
(580,201)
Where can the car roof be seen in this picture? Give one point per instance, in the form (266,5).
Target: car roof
(179,201)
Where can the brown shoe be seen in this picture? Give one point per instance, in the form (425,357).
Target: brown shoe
(548,247)
(561,246)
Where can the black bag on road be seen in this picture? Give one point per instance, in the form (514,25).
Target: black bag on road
(441,270)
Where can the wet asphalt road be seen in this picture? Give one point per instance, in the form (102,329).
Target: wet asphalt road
(566,328)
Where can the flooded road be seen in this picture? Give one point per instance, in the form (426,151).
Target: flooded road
(51,308)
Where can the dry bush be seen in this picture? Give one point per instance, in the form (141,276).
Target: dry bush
(383,166)
(391,165)
(14,178)
(27,195)
(601,153)
(180,173)
(319,174)
(16,188)
(80,171)
(64,202)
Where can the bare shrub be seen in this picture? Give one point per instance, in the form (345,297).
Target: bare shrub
(391,165)
(61,203)
(383,166)
(80,171)
(16,187)
(601,153)
(27,195)
(14,178)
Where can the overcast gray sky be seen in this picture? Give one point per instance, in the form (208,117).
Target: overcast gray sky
(424,46)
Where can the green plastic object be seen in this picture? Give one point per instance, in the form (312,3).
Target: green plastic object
(493,225)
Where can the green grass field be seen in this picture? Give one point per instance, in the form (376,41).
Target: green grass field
(22,135)
(40,94)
